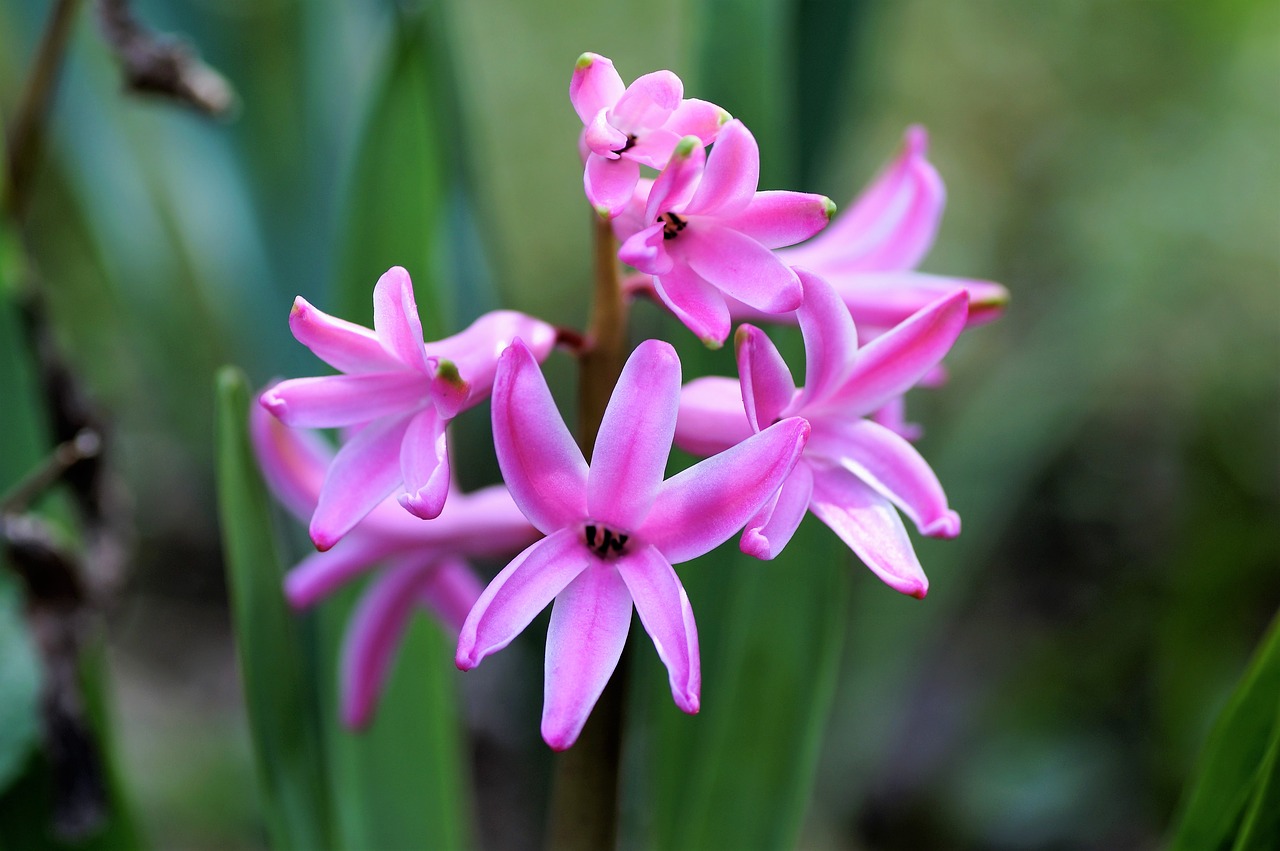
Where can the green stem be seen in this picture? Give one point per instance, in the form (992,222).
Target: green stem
(584,804)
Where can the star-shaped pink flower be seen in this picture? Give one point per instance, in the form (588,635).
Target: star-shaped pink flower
(613,529)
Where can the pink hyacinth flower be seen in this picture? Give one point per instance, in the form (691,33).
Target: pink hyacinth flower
(709,234)
(854,471)
(870,252)
(613,529)
(627,127)
(423,563)
(397,393)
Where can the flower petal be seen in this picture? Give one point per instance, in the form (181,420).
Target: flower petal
(703,506)
(893,416)
(341,344)
(293,462)
(891,364)
(647,103)
(678,181)
(668,618)
(541,464)
(885,299)
(320,574)
(868,523)
(830,339)
(646,250)
(696,303)
(333,401)
(699,118)
(630,454)
(712,417)
(772,527)
(395,319)
(740,267)
(451,592)
(767,387)
(609,184)
(595,85)
(775,219)
(476,349)
(588,630)
(363,473)
(731,176)
(654,148)
(602,138)
(424,465)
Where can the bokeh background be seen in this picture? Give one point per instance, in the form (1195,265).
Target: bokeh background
(1111,443)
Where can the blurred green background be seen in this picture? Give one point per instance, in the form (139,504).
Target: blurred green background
(1112,443)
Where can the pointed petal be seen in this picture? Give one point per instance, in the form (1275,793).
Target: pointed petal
(892,467)
(668,618)
(646,250)
(293,462)
(767,387)
(868,523)
(772,527)
(476,349)
(363,473)
(609,184)
(333,401)
(320,574)
(830,339)
(341,344)
(451,592)
(588,630)
(891,364)
(706,504)
(678,181)
(699,118)
(712,417)
(373,636)
(885,299)
(647,103)
(630,455)
(541,464)
(395,319)
(696,303)
(595,85)
(775,219)
(424,465)
(732,174)
(740,267)
(519,593)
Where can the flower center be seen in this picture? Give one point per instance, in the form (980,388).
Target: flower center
(603,541)
(631,142)
(671,225)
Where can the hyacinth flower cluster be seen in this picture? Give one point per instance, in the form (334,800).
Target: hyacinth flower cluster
(674,182)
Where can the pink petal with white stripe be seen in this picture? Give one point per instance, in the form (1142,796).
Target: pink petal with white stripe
(364,472)
(731,175)
(830,339)
(774,525)
(740,267)
(341,344)
(424,465)
(767,387)
(668,618)
(395,319)
(775,219)
(334,401)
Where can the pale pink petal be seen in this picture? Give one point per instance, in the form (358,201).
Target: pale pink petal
(890,365)
(373,635)
(870,525)
(830,339)
(731,175)
(646,250)
(632,218)
(293,462)
(654,148)
(884,299)
(451,593)
(775,219)
(609,184)
(772,527)
(476,349)
(696,303)
(595,85)
(678,181)
(541,464)
(588,630)
(706,504)
(320,574)
(484,523)
(333,401)
(712,417)
(767,387)
(424,465)
(363,473)
(668,618)
(520,592)
(647,103)
(890,465)
(699,118)
(450,391)
(630,455)
(893,416)
(395,319)
(602,138)
(341,344)
(740,267)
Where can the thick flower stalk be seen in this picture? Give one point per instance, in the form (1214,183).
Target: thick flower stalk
(854,472)
(423,564)
(396,396)
(706,234)
(614,529)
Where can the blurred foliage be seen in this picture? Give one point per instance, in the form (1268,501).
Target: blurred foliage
(1111,443)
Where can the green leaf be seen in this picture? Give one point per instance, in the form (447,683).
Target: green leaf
(273,643)
(1233,798)
(19,683)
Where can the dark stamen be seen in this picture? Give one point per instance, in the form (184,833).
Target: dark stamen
(671,225)
(605,542)
(619,543)
(591,537)
(631,141)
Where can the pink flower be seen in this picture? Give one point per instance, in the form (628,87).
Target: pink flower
(632,126)
(869,252)
(397,393)
(613,529)
(424,566)
(710,234)
(853,471)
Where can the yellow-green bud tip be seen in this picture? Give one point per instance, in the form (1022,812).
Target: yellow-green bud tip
(828,207)
(725,117)
(447,370)
(585,61)
(686,146)
(712,343)
(603,212)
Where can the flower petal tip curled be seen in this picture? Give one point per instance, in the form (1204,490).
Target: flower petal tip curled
(946,526)
(756,545)
(273,403)
(690,704)
(464,659)
(422,505)
(916,139)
